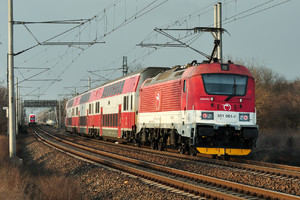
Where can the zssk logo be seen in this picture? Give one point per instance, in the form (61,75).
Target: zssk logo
(227,106)
(157,101)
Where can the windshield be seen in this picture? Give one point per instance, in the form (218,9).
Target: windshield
(225,84)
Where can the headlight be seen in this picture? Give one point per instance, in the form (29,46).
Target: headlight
(207,115)
(244,117)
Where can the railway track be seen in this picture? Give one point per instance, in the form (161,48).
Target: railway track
(256,167)
(196,184)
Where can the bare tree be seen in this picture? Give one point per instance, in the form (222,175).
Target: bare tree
(3,103)
(277,99)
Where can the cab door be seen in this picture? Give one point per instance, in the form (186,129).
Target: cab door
(184,100)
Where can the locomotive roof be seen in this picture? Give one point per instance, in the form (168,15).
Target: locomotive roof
(171,74)
(192,70)
(217,68)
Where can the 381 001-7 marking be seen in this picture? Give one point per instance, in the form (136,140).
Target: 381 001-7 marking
(227,116)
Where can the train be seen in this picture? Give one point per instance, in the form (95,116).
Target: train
(199,107)
(32,120)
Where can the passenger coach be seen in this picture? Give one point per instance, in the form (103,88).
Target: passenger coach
(110,109)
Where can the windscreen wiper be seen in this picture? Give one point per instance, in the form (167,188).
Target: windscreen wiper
(233,91)
(229,97)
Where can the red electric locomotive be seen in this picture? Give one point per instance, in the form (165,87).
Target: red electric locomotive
(32,121)
(207,108)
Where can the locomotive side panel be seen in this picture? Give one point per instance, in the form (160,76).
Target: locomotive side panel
(160,105)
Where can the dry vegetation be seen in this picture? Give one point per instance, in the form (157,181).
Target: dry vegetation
(31,182)
(278,115)
(278,146)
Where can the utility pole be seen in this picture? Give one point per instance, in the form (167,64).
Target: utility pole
(17,105)
(11,94)
(124,66)
(89,83)
(59,114)
(21,112)
(218,24)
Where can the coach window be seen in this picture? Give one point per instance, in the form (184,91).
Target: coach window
(110,90)
(184,85)
(76,111)
(90,108)
(118,88)
(97,107)
(127,103)
(131,102)
(124,103)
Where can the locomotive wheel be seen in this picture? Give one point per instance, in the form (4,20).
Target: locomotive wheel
(153,145)
(160,145)
(136,143)
(192,151)
(181,149)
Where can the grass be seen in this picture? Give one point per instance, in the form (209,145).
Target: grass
(30,182)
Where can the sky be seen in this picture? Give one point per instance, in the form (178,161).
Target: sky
(264,31)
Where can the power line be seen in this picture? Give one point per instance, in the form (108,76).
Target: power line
(133,17)
(256,12)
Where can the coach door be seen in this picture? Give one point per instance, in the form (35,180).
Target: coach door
(101,121)
(78,118)
(87,121)
(119,121)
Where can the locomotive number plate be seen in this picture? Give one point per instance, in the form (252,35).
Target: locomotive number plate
(227,117)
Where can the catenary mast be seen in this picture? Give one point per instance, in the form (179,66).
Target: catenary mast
(11,94)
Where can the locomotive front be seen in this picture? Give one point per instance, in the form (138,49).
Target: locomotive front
(219,100)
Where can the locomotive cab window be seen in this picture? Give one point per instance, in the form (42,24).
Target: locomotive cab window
(184,85)
(225,84)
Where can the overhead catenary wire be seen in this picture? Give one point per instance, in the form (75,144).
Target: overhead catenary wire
(190,39)
(183,20)
(141,12)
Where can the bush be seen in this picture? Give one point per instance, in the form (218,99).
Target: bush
(278,146)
